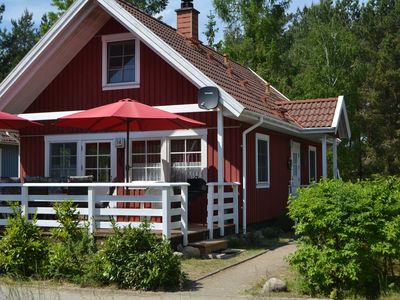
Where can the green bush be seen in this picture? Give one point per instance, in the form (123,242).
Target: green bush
(349,236)
(71,247)
(23,250)
(134,258)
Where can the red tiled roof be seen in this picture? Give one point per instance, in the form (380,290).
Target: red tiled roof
(237,80)
(312,113)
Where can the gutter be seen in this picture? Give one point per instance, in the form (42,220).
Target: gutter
(244,169)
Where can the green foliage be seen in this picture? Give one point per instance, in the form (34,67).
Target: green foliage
(17,42)
(71,247)
(23,250)
(349,236)
(211,31)
(134,258)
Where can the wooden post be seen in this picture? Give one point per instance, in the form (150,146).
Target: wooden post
(24,202)
(210,212)
(184,214)
(334,158)
(324,157)
(221,210)
(166,215)
(236,207)
(92,209)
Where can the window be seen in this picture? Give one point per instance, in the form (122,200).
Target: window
(262,161)
(120,61)
(185,159)
(146,160)
(98,161)
(312,162)
(63,159)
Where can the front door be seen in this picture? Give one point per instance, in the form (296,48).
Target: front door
(296,168)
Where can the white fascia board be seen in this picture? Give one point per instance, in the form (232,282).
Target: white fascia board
(176,109)
(262,79)
(341,108)
(37,50)
(198,78)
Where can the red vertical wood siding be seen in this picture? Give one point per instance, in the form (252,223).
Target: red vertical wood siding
(79,86)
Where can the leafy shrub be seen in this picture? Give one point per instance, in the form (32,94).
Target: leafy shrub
(271,232)
(349,236)
(23,250)
(71,246)
(134,258)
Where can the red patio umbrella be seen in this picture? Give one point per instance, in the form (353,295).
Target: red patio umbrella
(9,121)
(128,115)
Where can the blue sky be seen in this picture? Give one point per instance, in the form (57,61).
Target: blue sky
(14,9)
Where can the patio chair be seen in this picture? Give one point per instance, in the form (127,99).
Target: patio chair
(79,179)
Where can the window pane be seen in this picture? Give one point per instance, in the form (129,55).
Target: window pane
(129,75)
(262,147)
(91,162)
(115,49)
(139,147)
(193,158)
(115,76)
(129,61)
(177,158)
(139,159)
(91,172)
(193,145)
(104,148)
(139,174)
(91,149)
(104,162)
(104,175)
(62,159)
(56,162)
(115,63)
(153,160)
(153,146)
(129,48)
(178,146)
(153,174)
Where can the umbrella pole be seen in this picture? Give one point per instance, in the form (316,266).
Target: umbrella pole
(127,168)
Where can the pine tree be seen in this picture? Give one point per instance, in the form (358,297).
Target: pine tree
(15,44)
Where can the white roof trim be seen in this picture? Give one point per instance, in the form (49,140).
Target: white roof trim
(169,54)
(269,84)
(341,109)
(43,43)
(54,115)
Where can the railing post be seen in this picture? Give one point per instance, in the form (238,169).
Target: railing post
(24,202)
(184,214)
(236,207)
(210,212)
(166,213)
(92,209)
(221,217)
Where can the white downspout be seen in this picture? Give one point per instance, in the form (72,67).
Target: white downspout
(244,170)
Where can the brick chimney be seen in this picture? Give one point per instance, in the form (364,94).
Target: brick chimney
(188,20)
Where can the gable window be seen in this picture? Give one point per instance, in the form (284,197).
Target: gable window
(262,161)
(312,164)
(63,159)
(120,61)
(185,159)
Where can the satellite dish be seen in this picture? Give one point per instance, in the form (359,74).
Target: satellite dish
(208,97)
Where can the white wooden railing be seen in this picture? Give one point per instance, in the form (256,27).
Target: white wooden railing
(226,208)
(161,197)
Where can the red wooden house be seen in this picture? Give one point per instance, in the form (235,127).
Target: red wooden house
(102,51)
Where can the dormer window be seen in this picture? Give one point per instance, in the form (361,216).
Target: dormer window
(120,61)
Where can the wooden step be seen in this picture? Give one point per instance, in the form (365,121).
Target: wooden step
(207,247)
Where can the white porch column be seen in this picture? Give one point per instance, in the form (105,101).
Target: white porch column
(334,158)
(324,157)
(221,169)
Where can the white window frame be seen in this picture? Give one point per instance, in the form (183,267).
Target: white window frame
(162,175)
(80,140)
(119,38)
(312,149)
(263,184)
(112,145)
(164,136)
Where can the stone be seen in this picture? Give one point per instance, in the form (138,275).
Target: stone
(179,248)
(178,254)
(189,251)
(274,285)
